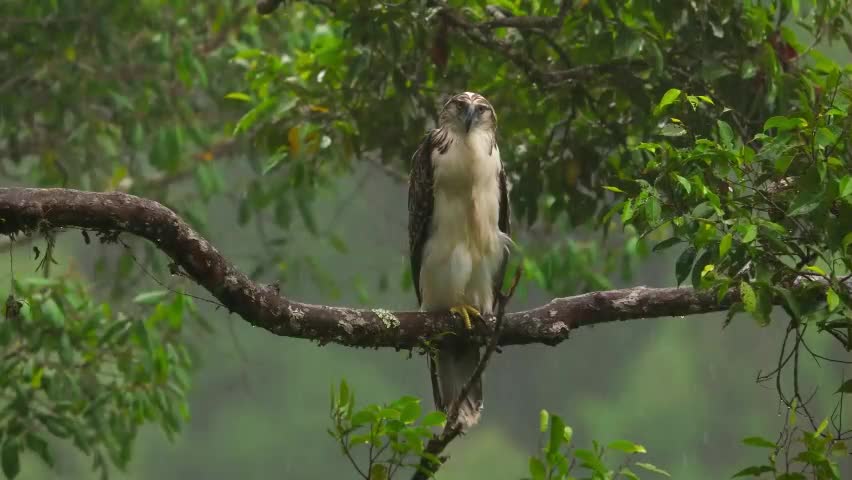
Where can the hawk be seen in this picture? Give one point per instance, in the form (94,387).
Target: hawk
(458,231)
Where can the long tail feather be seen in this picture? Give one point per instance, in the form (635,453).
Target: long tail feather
(453,367)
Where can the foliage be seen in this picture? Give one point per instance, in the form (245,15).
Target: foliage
(79,371)
(104,94)
(391,436)
(818,452)
(768,215)
(355,83)
(559,457)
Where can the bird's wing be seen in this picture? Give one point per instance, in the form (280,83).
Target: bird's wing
(420,205)
(504,223)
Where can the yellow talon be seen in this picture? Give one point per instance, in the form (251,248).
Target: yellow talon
(465,311)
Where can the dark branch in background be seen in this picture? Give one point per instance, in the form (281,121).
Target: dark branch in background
(531,21)
(265,7)
(480,33)
(26,210)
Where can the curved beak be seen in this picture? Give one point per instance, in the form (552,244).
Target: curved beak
(469,115)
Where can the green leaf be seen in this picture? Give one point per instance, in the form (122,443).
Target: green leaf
(543,420)
(152,297)
(591,461)
(433,419)
(112,332)
(668,98)
(537,471)
(805,202)
(238,96)
(815,269)
(782,163)
(725,245)
(53,313)
(379,471)
(726,133)
(653,210)
(821,428)
(750,233)
(304,207)
(40,447)
(684,264)
(748,296)
(252,116)
(784,123)
(360,439)
(363,417)
(389,413)
(557,434)
(846,387)
(684,183)
(10,460)
(666,244)
(626,446)
(337,243)
(627,473)
(274,160)
(613,189)
(672,130)
(35,382)
(652,468)
(825,137)
(832,299)
(627,212)
(845,186)
(567,434)
(759,442)
(754,471)
(410,412)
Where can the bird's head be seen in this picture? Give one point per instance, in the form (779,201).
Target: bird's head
(468,112)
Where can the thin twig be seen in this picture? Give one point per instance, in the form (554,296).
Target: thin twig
(452,428)
(160,282)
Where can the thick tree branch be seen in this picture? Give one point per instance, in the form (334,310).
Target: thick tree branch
(25,210)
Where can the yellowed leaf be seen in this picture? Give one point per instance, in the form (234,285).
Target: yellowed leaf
(293,138)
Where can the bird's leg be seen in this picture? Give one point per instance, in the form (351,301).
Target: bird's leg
(465,311)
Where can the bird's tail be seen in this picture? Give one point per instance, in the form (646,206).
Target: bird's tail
(451,368)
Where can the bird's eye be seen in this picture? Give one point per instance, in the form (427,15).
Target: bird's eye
(481,108)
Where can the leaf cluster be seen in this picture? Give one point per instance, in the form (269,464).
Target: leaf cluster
(380,439)
(80,372)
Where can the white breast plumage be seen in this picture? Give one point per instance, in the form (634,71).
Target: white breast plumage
(465,247)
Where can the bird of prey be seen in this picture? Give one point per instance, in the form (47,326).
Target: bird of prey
(458,230)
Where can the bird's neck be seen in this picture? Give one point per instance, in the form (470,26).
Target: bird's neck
(470,162)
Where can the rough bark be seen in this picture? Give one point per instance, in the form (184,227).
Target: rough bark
(28,210)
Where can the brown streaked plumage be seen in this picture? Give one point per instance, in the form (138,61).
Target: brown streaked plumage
(458,233)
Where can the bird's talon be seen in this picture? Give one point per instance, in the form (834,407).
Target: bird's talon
(465,311)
